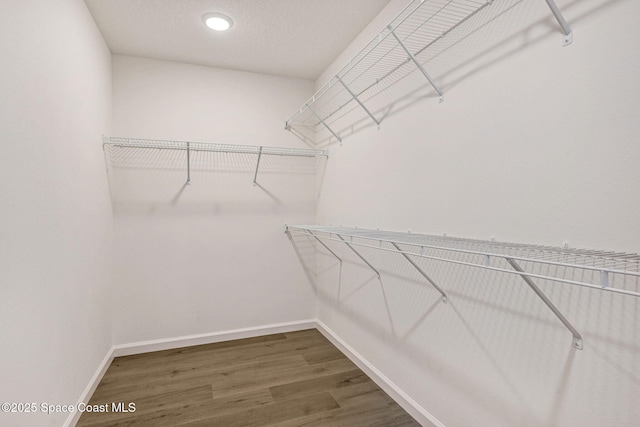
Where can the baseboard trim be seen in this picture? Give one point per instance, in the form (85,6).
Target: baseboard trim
(403,399)
(407,403)
(199,339)
(177,342)
(74,416)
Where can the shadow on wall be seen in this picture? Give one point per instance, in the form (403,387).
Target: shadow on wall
(495,343)
(490,37)
(155,181)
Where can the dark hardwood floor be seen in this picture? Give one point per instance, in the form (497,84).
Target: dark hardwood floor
(284,380)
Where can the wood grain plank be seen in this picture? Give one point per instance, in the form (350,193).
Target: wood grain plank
(225,357)
(268,414)
(238,380)
(341,417)
(181,351)
(147,406)
(289,380)
(322,354)
(181,375)
(317,384)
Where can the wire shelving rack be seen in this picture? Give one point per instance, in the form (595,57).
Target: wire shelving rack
(395,52)
(602,270)
(187,147)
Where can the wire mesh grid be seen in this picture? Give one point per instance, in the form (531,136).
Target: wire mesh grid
(132,154)
(135,158)
(145,172)
(118,142)
(611,271)
(384,60)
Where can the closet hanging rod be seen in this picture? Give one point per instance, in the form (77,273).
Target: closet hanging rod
(410,239)
(211,147)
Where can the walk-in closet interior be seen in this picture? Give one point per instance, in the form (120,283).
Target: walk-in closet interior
(335,212)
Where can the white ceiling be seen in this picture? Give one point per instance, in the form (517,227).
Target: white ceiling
(294,38)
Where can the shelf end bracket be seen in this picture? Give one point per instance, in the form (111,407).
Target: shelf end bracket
(577,338)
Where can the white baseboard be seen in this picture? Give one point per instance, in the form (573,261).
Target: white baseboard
(177,342)
(190,340)
(407,403)
(91,387)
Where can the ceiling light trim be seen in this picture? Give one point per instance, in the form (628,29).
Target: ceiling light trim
(217,21)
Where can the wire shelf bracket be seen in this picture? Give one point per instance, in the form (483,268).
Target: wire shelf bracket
(324,245)
(418,64)
(425,275)
(255,175)
(321,120)
(359,256)
(577,338)
(420,25)
(355,97)
(568,32)
(188,163)
(604,268)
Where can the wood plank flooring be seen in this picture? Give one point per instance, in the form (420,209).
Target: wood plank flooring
(284,380)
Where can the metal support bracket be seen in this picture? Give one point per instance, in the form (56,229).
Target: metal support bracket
(325,124)
(359,256)
(255,175)
(566,29)
(366,110)
(418,64)
(425,275)
(188,164)
(325,246)
(577,338)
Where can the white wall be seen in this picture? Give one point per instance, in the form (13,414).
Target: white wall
(535,143)
(56,221)
(211,256)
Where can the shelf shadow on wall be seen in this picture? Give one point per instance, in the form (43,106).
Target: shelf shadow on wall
(560,393)
(481,306)
(273,197)
(339,298)
(450,61)
(307,259)
(162,181)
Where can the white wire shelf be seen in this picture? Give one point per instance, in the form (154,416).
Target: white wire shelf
(602,270)
(398,50)
(119,143)
(211,147)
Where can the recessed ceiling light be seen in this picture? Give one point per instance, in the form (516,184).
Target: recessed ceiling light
(217,21)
